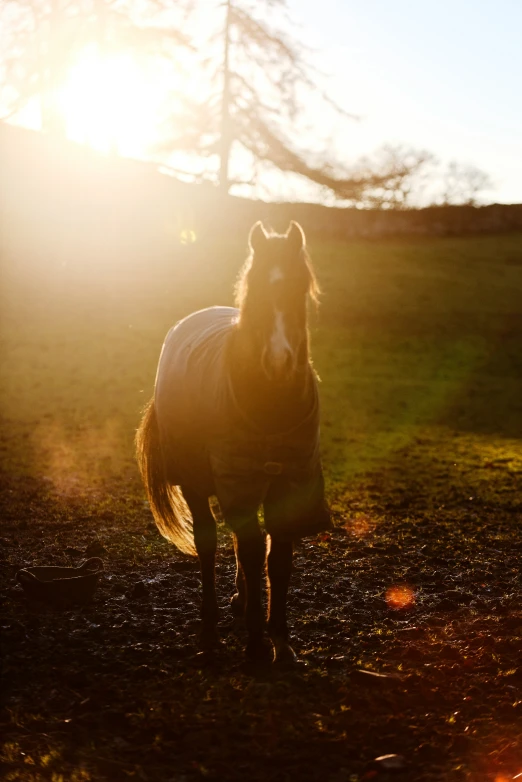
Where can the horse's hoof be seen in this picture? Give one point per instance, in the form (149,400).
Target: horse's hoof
(209,638)
(237,606)
(284,654)
(260,652)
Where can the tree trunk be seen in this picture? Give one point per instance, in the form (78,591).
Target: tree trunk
(226,139)
(51,74)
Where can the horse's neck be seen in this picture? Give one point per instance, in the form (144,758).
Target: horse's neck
(274,407)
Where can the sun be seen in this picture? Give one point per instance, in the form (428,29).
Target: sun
(109,103)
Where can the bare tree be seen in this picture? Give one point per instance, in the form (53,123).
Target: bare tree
(405,173)
(259,85)
(462,183)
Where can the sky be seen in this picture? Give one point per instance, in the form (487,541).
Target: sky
(443,76)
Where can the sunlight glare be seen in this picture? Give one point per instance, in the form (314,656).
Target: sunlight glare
(109,104)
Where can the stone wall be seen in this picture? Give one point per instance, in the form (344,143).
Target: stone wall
(346,223)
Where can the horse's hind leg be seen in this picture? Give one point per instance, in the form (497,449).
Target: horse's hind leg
(279,571)
(251,553)
(205,538)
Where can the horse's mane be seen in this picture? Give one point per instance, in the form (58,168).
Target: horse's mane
(241,286)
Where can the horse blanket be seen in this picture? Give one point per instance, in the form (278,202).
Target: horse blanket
(209,445)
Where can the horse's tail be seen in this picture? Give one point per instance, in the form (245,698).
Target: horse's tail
(171,512)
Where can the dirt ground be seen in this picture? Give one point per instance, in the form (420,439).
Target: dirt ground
(117,688)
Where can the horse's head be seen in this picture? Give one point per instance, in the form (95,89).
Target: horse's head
(272,296)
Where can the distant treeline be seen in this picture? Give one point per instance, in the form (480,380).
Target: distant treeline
(348,223)
(65,202)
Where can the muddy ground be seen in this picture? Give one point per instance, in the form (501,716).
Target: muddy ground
(117,688)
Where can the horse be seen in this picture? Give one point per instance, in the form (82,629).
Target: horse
(235,415)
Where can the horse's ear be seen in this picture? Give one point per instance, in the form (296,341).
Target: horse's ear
(258,237)
(295,237)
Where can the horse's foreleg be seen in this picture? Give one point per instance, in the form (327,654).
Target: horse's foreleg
(251,553)
(279,571)
(238,601)
(205,538)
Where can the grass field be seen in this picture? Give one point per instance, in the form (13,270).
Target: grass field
(417,344)
(412,340)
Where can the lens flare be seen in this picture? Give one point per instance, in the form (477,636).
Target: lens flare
(74,463)
(400,596)
(187,236)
